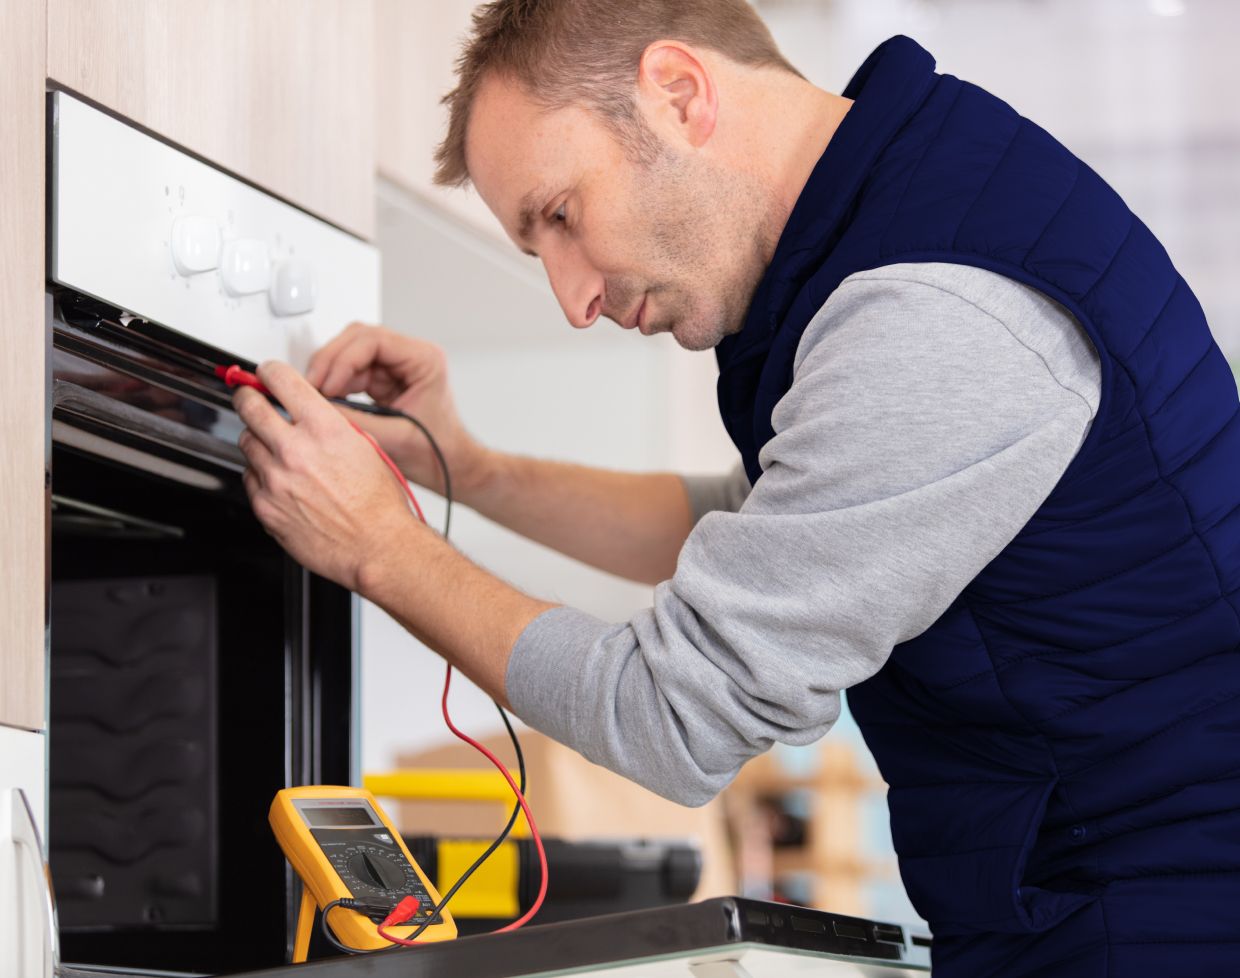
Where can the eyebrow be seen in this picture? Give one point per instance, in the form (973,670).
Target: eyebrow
(528,212)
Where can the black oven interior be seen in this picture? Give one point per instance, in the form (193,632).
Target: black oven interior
(195,671)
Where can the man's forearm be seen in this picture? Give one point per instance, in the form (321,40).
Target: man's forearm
(443,599)
(628,524)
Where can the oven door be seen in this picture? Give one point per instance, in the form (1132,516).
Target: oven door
(195,669)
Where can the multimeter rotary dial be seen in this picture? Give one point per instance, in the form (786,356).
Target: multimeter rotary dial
(376,869)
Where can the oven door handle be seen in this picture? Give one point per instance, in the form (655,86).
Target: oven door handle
(26,836)
(73,401)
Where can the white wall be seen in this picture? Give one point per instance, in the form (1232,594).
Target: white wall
(1145,91)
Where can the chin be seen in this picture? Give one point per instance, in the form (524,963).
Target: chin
(700,335)
(695,344)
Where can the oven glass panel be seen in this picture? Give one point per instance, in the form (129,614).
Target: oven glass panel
(195,671)
(135,769)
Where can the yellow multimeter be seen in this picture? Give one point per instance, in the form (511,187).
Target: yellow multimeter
(343,846)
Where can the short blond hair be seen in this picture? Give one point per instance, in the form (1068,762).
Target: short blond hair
(586,52)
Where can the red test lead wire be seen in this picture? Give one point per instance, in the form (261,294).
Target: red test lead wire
(400,476)
(529,817)
(234,376)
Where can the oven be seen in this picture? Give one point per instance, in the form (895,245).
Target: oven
(194,668)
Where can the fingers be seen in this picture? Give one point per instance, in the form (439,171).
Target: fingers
(324,355)
(253,485)
(343,365)
(293,391)
(257,455)
(260,417)
(371,359)
(260,465)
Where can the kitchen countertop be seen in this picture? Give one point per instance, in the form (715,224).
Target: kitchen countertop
(727,937)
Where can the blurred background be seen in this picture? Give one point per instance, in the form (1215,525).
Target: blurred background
(1143,90)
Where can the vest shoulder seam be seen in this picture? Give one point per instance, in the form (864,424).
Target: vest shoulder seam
(1132,226)
(994,170)
(1076,178)
(915,168)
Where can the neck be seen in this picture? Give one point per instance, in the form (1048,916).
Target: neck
(778,125)
(786,124)
(805,127)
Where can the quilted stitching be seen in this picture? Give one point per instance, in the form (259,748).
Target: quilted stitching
(923,201)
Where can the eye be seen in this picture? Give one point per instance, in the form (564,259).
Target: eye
(561,214)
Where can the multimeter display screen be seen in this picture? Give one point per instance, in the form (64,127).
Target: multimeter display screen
(331,817)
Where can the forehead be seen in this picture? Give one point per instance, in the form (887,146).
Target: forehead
(520,153)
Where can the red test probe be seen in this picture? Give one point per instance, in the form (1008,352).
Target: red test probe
(234,376)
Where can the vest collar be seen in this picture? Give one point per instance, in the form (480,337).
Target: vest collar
(886,90)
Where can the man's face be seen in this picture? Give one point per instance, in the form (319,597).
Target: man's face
(673,243)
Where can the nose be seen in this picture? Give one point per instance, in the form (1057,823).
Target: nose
(578,287)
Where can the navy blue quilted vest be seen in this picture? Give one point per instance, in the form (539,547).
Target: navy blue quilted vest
(1063,744)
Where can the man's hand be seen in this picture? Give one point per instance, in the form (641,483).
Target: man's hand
(412,376)
(315,484)
(321,490)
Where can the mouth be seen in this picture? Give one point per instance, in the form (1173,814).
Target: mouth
(638,321)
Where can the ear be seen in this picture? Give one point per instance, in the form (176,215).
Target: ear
(677,92)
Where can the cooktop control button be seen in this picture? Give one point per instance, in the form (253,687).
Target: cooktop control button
(195,244)
(294,290)
(245,267)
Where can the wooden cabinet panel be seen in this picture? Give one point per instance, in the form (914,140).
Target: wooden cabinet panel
(22,366)
(416,47)
(279,92)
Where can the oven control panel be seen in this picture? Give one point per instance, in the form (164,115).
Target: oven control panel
(171,239)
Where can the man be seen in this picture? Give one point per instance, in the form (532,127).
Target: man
(988,484)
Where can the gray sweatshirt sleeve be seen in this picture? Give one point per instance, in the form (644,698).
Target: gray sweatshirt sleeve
(708,493)
(932,410)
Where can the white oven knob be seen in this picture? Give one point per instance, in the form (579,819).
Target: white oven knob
(195,244)
(245,267)
(294,290)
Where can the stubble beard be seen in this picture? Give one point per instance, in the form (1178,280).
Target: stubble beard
(718,231)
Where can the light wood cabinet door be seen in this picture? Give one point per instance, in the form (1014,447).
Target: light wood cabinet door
(23,566)
(416,47)
(278,91)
